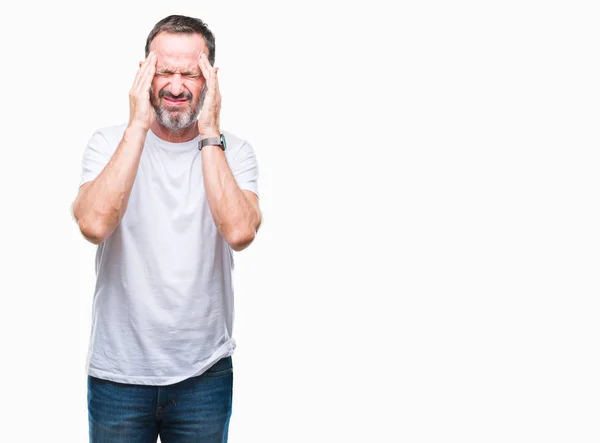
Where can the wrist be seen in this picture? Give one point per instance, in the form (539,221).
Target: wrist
(135,132)
(212,132)
(137,128)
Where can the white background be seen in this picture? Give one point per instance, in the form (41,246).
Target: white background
(427,267)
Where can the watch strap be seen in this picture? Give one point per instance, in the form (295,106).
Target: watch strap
(212,141)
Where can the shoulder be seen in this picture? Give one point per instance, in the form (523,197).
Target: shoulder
(112,135)
(233,141)
(236,145)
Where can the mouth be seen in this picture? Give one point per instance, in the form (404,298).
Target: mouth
(174,101)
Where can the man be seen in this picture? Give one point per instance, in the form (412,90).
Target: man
(166,197)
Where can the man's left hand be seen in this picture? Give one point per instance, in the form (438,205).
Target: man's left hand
(208,121)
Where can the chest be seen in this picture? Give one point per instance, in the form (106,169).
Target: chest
(168,194)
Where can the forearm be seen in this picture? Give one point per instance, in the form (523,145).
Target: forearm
(102,206)
(234,216)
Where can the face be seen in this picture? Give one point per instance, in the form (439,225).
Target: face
(177,90)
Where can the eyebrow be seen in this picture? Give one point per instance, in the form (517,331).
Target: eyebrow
(165,70)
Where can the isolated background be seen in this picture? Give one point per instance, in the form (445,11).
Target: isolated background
(427,268)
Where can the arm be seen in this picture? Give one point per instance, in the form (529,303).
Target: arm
(101,204)
(235,211)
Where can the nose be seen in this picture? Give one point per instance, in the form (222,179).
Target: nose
(176,84)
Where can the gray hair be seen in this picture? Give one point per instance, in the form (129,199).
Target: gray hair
(185,25)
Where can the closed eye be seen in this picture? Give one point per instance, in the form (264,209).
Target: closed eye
(190,75)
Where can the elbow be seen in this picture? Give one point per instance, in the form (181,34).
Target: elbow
(241,240)
(95,226)
(94,232)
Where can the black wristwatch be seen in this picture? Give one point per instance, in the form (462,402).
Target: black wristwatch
(212,141)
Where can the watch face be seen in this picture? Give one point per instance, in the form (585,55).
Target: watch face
(223,144)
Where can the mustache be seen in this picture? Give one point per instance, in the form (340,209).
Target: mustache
(164,93)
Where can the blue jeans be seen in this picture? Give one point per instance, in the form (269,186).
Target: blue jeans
(194,410)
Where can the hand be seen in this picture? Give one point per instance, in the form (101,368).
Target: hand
(208,121)
(140,109)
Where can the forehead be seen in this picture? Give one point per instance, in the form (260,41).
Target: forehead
(180,51)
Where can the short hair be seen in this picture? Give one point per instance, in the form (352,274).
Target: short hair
(180,24)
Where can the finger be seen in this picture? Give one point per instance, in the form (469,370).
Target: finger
(215,85)
(216,77)
(146,78)
(137,78)
(205,67)
(211,74)
(142,71)
(216,98)
(149,66)
(139,74)
(204,58)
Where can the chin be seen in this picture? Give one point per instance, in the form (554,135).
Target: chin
(174,109)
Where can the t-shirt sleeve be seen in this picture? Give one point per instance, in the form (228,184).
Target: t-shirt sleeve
(245,168)
(95,157)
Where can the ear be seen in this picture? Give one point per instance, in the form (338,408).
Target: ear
(141,63)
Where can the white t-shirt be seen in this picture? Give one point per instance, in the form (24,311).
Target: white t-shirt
(163,304)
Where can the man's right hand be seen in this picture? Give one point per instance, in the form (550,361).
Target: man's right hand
(140,109)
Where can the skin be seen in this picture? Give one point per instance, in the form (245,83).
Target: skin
(177,65)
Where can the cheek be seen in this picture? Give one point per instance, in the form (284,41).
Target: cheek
(157,84)
(195,88)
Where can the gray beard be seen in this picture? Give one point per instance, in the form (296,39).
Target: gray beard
(176,121)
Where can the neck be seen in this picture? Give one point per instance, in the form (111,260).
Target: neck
(183,135)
